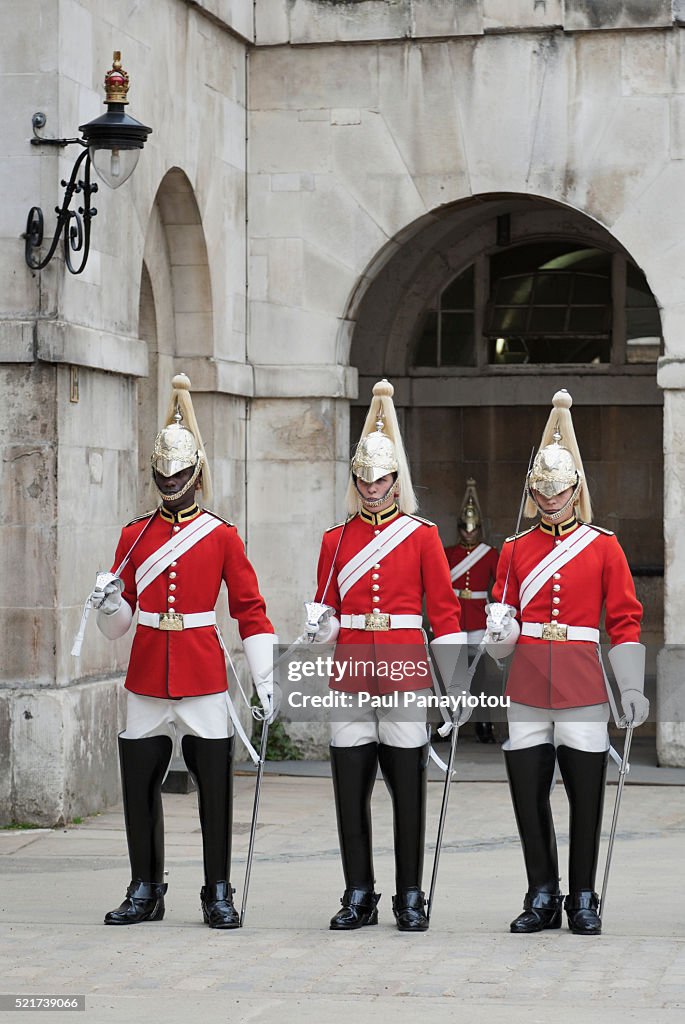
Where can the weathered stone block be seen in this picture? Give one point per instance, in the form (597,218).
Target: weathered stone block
(612,14)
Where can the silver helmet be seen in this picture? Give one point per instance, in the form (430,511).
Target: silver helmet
(375,456)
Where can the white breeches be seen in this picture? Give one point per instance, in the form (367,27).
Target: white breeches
(395,726)
(581,728)
(206,716)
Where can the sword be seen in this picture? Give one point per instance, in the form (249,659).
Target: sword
(444,731)
(622,772)
(255,811)
(518,522)
(101,581)
(443,814)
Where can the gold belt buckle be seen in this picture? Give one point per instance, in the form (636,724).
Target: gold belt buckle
(374,621)
(170,621)
(554,631)
(466,594)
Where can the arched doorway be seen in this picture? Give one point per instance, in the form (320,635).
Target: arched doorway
(483,310)
(175,309)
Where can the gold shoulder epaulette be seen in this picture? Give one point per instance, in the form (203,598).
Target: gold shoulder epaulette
(145,515)
(601,529)
(426,522)
(521,534)
(210,512)
(336,527)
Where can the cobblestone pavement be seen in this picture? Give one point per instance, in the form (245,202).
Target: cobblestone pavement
(285,966)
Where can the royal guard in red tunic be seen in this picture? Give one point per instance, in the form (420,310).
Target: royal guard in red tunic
(375,570)
(473,569)
(170,564)
(553,582)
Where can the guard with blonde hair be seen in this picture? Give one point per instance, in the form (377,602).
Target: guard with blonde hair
(554,580)
(374,572)
(170,564)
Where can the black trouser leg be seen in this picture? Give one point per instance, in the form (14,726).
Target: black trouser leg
(531,771)
(353,770)
(584,775)
(143,766)
(210,762)
(405,773)
(354,774)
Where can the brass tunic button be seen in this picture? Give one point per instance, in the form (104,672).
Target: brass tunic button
(171,598)
(555,611)
(172,575)
(172,586)
(556,600)
(375,587)
(375,576)
(374,598)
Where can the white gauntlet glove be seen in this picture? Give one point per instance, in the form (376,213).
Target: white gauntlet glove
(321,626)
(106,594)
(628,662)
(502,630)
(259,651)
(114,614)
(451,655)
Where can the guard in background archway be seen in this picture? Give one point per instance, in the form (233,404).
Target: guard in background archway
(374,572)
(170,564)
(473,569)
(553,581)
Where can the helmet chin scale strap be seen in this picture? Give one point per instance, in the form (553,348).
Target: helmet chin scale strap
(557,517)
(368,503)
(184,490)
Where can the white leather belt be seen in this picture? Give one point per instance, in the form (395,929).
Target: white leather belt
(559,631)
(172,621)
(472,595)
(379,621)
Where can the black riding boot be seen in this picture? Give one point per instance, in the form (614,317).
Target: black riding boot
(210,762)
(143,766)
(404,771)
(584,774)
(354,772)
(531,771)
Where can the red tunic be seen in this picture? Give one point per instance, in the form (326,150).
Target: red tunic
(567,674)
(415,569)
(190,662)
(480,577)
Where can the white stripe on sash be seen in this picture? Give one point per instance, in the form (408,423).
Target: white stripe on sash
(172,550)
(468,563)
(559,556)
(375,551)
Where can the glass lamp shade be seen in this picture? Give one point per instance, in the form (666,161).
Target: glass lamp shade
(114,166)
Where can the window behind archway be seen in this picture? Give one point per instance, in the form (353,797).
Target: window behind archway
(550,302)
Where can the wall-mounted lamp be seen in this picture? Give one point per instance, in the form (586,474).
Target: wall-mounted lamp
(112,144)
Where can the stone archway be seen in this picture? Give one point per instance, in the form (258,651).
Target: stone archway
(481,420)
(175,308)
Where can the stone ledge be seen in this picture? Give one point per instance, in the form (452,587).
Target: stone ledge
(308,22)
(76,345)
(305,381)
(518,389)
